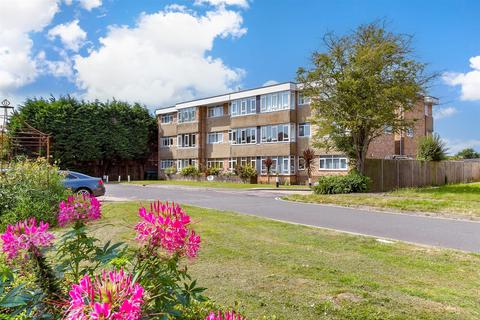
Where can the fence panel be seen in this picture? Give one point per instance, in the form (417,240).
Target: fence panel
(389,174)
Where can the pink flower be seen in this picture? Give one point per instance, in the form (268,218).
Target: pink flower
(112,296)
(82,208)
(167,226)
(25,237)
(225,316)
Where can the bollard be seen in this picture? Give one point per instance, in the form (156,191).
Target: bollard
(119,178)
(277,182)
(128,178)
(106,179)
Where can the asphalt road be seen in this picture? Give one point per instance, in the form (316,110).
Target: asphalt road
(447,233)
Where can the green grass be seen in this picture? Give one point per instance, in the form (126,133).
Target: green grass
(297,272)
(461,200)
(214,184)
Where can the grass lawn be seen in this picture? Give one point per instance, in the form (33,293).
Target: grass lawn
(458,199)
(214,184)
(297,272)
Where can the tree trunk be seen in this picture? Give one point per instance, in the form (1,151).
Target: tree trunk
(361,156)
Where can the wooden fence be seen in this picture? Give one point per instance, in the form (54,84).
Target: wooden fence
(387,174)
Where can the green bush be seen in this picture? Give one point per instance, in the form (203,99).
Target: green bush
(30,188)
(190,171)
(213,171)
(246,172)
(353,182)
(170,170)
(432,148)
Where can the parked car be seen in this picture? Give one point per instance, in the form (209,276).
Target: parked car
(82,184)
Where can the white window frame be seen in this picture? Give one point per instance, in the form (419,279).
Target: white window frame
(240,136)
(187,115)
(166,118)
(243,107)
(300,167)
(215,111)
(167,142)
(215,163)
(269,134)
(166,163)
(284,165)
(324,158)
(218,137)
(187,140)
(302,100)
(304,125)
(409,132)
(277,101)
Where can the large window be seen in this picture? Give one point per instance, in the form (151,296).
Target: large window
(182,163)
(278,133)
(166,118)
(280,165)
(333,163)
(243,161)
(301,163)
(215,163)
(164,164)
(215,137)
(243,107)
(276,101)
(243,135)
(186,115)
(166,142)
(304,129)
(303,100)
(216,111)
(187,140)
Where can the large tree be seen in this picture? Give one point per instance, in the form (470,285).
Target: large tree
(84,132)
(361,83)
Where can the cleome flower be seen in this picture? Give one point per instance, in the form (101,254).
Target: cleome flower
(167,226)
(113,295)
(230,315)
(81,208)
(25,236)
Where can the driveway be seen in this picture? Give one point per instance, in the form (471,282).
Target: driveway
(447,233)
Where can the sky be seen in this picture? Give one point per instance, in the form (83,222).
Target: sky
(160,52)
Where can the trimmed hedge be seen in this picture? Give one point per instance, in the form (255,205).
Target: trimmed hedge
(190,171)
(353,182)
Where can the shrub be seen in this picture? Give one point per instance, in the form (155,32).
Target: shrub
(30,189)
(245,172)
(170,170)
(353,182)
(213,171)
(190,171)
(431,148)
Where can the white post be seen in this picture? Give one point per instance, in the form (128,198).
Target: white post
(128,178)
(119,178)
(106,178)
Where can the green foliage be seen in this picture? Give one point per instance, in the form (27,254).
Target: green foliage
(246,172)
(170,170)
(213,171)
(353,182)
(431,148)
(468,153)
(190,171)
(357,85)
(30,188)
(83,132)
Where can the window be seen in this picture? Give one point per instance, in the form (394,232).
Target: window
(186,140)
(280,165)
(166,118)
(164,164)
(427,111)
(301,163)
(243,107)
(215,163)
(333,163)
(233,162)
(216,111)
(215,137)
(278,133)
(182,163)
(243,136)
(388,130)
(276,101)
(304,129)
(166,142)
(303,100)
(409,132)
(186,115)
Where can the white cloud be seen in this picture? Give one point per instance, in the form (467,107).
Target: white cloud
(218,3)
(456,145)
(163,59)
(441,113)
(17,65)
(86,4)
(269,83)
(71,35)
(469,81)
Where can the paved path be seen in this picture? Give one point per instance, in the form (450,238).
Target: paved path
(448,233)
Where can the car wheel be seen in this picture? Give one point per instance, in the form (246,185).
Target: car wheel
(83,192)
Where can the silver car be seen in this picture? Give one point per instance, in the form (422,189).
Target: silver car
(82,184)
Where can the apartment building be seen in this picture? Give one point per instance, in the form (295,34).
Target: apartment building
(246,127)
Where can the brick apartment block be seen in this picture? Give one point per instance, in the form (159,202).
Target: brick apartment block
(273,121)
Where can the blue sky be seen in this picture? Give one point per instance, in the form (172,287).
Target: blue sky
(161,52)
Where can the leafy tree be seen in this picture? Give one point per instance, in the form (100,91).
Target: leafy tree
(309,157)
(84,132)
(363,82)
(268,162)
(468,153)
(431,148)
